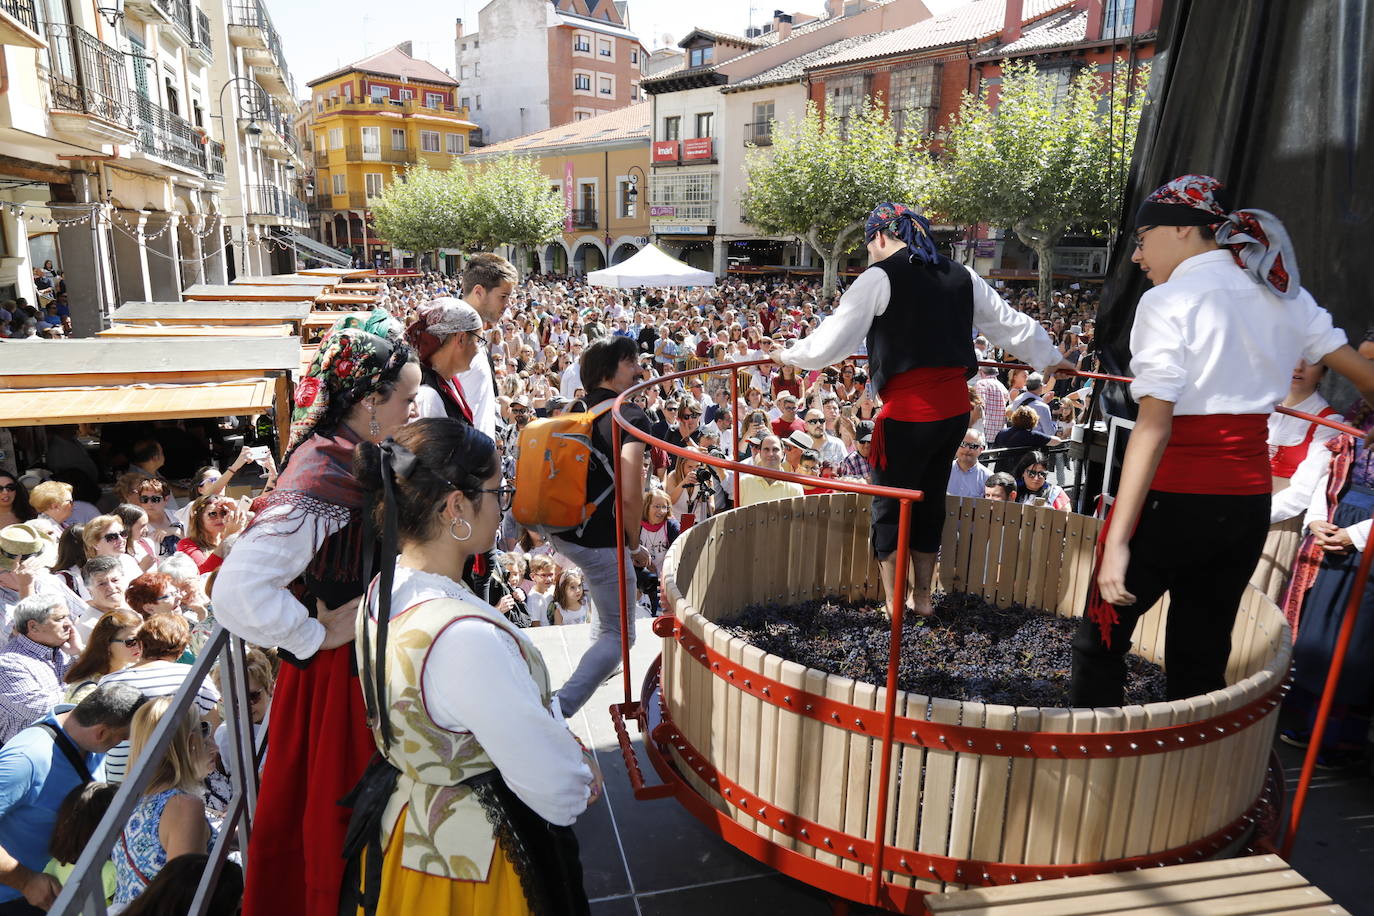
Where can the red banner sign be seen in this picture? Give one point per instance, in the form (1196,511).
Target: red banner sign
(698,148)
(666,150)
(567,195)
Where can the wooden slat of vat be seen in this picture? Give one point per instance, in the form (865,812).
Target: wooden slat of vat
(1070,594)
(840,560)
(966,768)
(1187,795)
(810,786)
(996,523)
(865,564)
(1025,568)
(1054,564)
(1047,790)
(696,723)
(1213,767)
(828,518)
(1019,787)
(1075,805)
(1012,551)
(1002,898)
(805,575)
(994,778)
(1150,631)
(788,782)
(858,820)
(833,785)
(904,791)
(717,729)
(735,734)
(770,750)
(949,544)
(977,574)
(964,545)
(1132,718)
(1252,743)
(1148,796)
(789,536)
(709,605)
(937,790)
(1040,555)
(1169,783)
(751,746)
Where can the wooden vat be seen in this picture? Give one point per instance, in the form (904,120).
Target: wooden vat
(978,794)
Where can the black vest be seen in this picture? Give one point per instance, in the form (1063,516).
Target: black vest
(430,379)
(928,322)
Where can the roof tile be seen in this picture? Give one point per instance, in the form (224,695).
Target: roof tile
(630,122)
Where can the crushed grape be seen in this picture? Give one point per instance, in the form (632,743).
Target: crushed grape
(970,650)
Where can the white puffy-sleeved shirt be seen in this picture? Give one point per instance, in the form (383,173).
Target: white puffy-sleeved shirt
(251,599)
(480,391)
(1213,341)
(846,331)
(475,680)
(1284,430)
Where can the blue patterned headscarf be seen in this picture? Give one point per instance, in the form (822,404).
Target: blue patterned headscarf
(908,225)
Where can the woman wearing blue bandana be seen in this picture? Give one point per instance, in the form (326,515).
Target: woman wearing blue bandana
(917,311)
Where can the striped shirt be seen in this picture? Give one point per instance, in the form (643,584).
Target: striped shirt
(154,679)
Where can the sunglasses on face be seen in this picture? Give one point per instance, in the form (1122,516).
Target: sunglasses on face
(146,499)
(1038,474)
(970,445)
(9,488)
(255,697)
(131,642)
(113,537)
(21,557)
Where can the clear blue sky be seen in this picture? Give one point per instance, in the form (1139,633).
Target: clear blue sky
(319,39)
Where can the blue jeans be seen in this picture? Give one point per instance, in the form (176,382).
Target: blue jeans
(598,565)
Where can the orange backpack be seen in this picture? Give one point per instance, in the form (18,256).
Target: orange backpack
(551,472)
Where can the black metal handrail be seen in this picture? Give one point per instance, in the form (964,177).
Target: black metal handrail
(84,890)
(86,75)
(23,11)
(584,218)
(759,133)
(202,40)
(181,18)
(270,200)
(169,136)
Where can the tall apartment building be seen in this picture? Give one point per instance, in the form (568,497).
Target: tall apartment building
(372,119)
(112,165)
(534,64)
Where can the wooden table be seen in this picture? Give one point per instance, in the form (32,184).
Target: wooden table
(201,330)
(337,299)
(243,292)
(1226,887)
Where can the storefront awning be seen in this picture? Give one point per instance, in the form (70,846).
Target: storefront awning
(123,403)
(311,248)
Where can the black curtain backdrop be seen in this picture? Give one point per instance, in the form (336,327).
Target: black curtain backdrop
(1275,98)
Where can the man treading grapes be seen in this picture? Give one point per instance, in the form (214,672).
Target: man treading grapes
(917,310)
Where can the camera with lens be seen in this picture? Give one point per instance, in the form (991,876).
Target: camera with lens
(704,475)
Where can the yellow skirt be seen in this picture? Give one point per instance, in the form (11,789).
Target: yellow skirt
(411,893)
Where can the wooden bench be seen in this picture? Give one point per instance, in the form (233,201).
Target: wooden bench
(1226,887)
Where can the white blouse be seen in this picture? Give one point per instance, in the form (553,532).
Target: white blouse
(1213,341)
(1289,431)
(475,680)
(842,334)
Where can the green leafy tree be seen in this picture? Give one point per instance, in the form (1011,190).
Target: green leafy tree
(821,178)
(424,209)
(1038,165)
(513,204)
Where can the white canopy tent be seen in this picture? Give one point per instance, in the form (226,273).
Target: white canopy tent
(650,266)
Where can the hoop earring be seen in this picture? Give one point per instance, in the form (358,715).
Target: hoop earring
(453,534)
(373,427)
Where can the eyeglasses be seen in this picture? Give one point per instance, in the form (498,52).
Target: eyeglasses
(168,597)
(131,642)
(113,537)
(481,341)
(16,556)
(810,422)
(689,416)
(9,488)
(505,496)
(254,697)
(970,445)
(1041,475)
(145,499)
(1139,234)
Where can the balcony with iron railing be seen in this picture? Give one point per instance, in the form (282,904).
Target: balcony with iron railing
(759,133)
(355,153)
(89,86)
(270,200)
(184,20)
(169,137)
(216,163)
(683,211)
(202,43)
(404,106)
(584,218)
(251,28)
(24,15)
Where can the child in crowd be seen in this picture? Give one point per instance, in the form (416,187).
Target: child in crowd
(569,600)
(543,578)
(77,819)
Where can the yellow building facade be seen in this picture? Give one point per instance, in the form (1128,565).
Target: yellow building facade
(369,122)
(598,168)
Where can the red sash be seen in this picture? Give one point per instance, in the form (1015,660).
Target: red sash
(1218,454)
(919,396)
(1287,457)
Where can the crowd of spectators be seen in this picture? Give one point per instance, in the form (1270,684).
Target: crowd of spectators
(47,319)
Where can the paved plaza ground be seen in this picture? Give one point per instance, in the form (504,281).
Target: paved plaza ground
(654,859)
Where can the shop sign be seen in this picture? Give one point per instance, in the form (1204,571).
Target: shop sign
(665,150)
(698,148)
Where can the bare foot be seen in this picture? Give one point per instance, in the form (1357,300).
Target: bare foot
(921,603)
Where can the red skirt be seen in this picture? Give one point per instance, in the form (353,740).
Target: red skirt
(318,749)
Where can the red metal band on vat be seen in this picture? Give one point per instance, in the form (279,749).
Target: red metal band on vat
(966,739)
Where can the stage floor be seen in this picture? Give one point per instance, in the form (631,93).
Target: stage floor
(654,859)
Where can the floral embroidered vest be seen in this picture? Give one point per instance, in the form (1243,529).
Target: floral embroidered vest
(447,832)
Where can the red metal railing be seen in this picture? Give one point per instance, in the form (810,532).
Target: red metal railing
(878,856)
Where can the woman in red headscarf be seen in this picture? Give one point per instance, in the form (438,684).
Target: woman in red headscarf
(446,336)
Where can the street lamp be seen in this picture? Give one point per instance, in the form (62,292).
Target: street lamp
(632,195)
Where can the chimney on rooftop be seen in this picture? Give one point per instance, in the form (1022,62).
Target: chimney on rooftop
(1094,10)
(1011,24)
(405,48)
(458,28)
(782,24)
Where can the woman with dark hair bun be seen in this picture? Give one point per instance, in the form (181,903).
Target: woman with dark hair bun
(458,696)
(293,581)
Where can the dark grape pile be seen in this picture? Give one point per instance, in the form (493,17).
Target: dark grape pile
(970,650)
